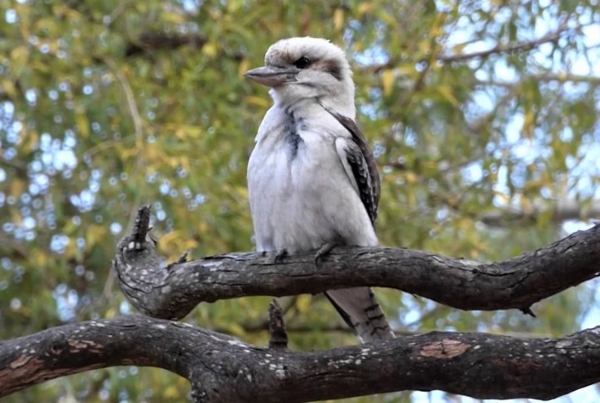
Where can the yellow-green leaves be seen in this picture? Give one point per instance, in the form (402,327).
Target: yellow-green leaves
(108,105)
(387,81)
(18,60)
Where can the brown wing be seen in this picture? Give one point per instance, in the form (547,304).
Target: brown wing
(359,171)
(364,167)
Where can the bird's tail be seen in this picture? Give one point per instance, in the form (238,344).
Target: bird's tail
(360,310)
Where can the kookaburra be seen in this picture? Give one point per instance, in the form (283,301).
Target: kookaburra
(312,180)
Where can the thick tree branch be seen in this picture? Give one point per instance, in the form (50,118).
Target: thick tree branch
(223,369)
(515,283)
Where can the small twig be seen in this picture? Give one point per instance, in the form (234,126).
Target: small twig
(528,311)
(562,77)
(182,259)
(277,335)
(263,324)
(399,164)
(138,125)
(14,164)
(11,244)
(136,119)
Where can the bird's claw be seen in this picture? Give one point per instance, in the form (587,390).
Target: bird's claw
(280,255)
(324,251)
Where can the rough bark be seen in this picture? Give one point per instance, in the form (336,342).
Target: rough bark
(515,283)
(223,369)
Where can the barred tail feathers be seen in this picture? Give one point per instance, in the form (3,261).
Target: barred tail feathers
(360,310)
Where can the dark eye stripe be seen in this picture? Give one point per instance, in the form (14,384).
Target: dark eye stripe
(332,67)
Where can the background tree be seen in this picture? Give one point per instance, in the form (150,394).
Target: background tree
(483,117)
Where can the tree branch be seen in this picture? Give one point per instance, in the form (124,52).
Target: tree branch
(153,41)
(562,210)
(551,36)
(565,77)
(223,369)
(515,283)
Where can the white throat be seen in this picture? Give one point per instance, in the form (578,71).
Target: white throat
(342,103)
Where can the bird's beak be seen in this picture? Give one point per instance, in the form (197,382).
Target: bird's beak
(271,76)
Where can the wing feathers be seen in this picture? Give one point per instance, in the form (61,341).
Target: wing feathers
(357,170)
(356,155)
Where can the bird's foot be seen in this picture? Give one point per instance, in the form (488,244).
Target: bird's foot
(281,253)
(324,251)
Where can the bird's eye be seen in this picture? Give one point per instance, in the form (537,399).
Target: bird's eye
(302,63)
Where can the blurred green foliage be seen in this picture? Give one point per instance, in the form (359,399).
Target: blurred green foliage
(105,105)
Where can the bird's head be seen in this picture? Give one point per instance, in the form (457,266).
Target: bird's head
(300,68)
